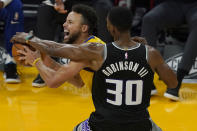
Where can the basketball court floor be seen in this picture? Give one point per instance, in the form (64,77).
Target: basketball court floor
(26,108)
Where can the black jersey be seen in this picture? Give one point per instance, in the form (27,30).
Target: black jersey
(122,86)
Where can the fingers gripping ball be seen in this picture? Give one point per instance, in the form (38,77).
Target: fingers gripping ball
(16,55)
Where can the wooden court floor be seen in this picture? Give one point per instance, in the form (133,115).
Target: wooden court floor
(25,108)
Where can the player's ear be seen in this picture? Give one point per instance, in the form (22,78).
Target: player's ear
(84,28)
(114,30)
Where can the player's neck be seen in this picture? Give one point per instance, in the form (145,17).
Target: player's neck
(124,39)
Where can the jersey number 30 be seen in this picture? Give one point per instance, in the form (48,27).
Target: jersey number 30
(130,99)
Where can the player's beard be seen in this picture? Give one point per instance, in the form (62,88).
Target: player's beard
(73,38)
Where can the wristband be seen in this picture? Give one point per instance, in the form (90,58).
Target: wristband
(28,37)
(35,61)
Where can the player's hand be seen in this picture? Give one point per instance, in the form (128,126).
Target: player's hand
(59,7)
(28,55)
(139,40)
(19,37)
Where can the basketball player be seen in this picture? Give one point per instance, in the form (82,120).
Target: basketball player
(49,18)
(123,75)
(78,28)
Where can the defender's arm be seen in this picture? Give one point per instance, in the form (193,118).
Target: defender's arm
(163,70)
(75,52)
(86,51)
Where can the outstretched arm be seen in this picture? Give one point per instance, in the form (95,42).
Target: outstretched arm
(75,52)
(163,70)
(49,62)
(65,73)
(87,51)
(56,75)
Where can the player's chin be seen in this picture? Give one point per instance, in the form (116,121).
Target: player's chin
(66,39)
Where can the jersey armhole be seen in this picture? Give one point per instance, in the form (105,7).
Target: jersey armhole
(105,53)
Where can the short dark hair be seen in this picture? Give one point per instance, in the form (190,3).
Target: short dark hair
(121,17)
(88,14)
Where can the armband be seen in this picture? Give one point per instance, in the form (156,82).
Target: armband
(35,61)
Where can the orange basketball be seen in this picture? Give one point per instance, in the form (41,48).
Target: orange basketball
(16,55)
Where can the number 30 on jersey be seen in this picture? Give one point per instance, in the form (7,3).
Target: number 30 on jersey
(130,99)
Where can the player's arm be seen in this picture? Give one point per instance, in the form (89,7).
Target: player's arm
(86,55)
(75,52)
(54,78)
(49,62)
(28,38)
(158,65)
(4,3)
(71,51)
(76,81)
(89,52)
(49,69)
(51,48)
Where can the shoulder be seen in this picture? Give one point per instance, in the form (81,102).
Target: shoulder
(92,46)
(96,40)
(152,51)
(93,53)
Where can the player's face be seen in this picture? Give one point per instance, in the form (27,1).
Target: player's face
(72,27)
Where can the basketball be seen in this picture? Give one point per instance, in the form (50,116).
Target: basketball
(16,55)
